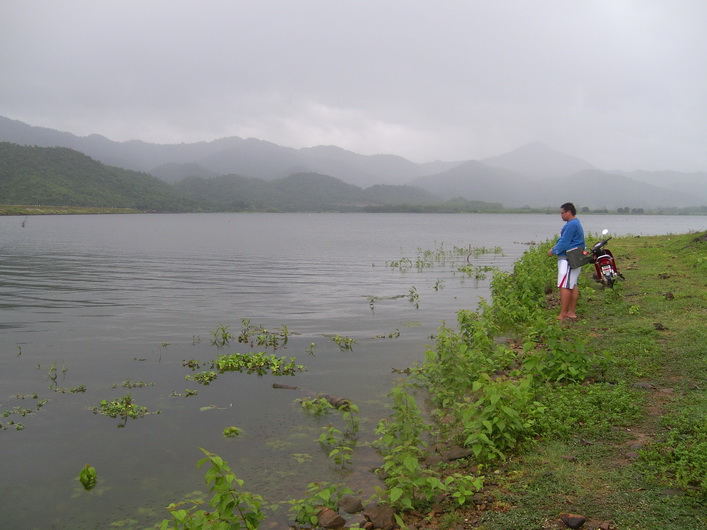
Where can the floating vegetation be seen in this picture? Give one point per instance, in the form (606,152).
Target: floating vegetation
(414,297)
(372,300)
(26,396)
(203,378)
(477,272)
(73,390)
(122,407)
(260,336)
(317,406)
(250,334)
(187,393)
(441,257)
(259,363)
(21,411)
(221,337)
(193,364)
(131,384)
(344,343)
(214,407)
(302,458)
(392,335)
(231,432)
(88,477)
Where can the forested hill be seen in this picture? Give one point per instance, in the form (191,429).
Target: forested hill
(300,192)
(57,176)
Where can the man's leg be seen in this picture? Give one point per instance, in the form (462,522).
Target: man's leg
(565,302)
(573,297)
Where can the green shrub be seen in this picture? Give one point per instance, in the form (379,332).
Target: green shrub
(500,417)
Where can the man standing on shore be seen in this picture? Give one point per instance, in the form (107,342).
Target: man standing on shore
(571,236)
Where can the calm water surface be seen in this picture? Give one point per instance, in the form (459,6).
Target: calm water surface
(107,299)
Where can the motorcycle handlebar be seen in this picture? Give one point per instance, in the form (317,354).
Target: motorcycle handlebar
(600,244)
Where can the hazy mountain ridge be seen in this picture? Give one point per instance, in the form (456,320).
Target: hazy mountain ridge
(250,157)
(527,176)
(59,176)
(475,180)
(538,161)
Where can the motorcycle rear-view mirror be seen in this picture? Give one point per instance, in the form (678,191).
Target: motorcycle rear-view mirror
(604,232)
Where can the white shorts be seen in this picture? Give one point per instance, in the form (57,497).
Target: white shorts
(566,277)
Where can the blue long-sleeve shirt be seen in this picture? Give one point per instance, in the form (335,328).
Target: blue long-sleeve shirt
(571,236)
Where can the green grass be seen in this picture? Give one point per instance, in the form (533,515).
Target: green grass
(626,441)
(611,450)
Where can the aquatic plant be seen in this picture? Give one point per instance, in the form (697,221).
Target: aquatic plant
(123,407)
(88,477)
(256,335)
(344,343)
(231,507)
(260,363)
(221,337)
(231,432)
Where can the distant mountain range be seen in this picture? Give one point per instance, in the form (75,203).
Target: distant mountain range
(533,175)
(59,176)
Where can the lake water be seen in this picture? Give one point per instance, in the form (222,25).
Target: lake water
(105,299)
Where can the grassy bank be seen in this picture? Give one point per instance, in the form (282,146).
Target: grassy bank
(604,417)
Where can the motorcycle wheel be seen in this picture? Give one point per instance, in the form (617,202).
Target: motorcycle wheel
(609,282)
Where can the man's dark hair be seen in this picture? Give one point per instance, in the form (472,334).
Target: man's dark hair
(569,207)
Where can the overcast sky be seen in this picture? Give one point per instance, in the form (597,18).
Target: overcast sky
(621,84)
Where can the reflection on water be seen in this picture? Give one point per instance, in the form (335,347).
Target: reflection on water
(109,299)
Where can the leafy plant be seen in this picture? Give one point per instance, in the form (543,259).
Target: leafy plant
(187,393)
(316,406)
(123,407)
(21,411)
(203,378)
(556,357)
(338,444)
(261,336)
(259,363)
(221,336)
(500,416)
(231,432)
(344,343)
(131,384)
(414,297)
(88,477)
(406,426)
(232,508)
(318,495)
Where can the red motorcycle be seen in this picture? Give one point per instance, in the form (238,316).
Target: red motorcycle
(604,263)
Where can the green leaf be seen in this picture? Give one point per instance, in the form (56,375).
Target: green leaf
(395,494)
(411,463)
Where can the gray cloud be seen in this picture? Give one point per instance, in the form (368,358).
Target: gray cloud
(620,84)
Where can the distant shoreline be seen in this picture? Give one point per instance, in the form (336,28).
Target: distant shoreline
(24,210)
